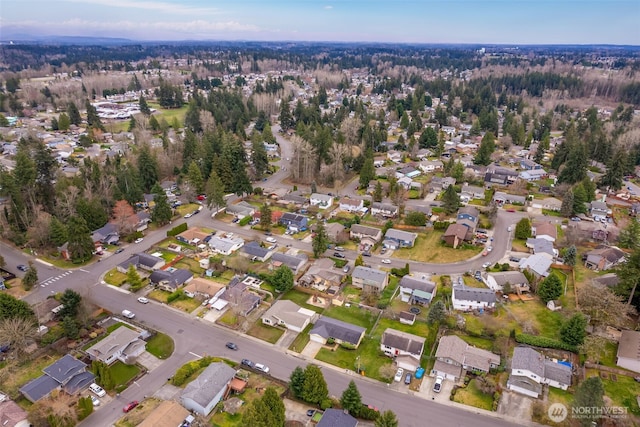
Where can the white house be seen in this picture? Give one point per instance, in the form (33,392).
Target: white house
(203,394)
(225,244)
(404,347)
(322,201)
(288,314)
(628,356)
(430,165)
(531,370)
(351,205)
(416,290)
(465,298)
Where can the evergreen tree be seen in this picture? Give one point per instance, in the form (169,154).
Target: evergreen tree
(428,138)
(70,301)
(314,389)
(54,124)
(368,171)
(64,122)
(214,189)
(614,174)
(282,279)
(133,277)
(80,245)
(450,200)
(574,330)
(523,229)
(11,307)
(194,177)
(575,169)
(267,134)
(93,120)
(629,237)
(296,381)
(351,399)
(192,118)
(161,213)
(275,406)
(377,192)
(566,208)
(550,288)
(286,120)
(436,312)
(386,419)
(259,158)
(153,124)
(74,114)
(265,217)
(144,107)
(579,199)
(30,277)
(589,394)
(487,147)
(320,240)
(257,414)
(70,327)
(539,156)
(147,168)
(570,255)
(132,124)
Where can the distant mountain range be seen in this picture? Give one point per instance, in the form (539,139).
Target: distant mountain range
(69,40)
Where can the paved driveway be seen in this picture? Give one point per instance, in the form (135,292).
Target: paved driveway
(515,405)
(311,349)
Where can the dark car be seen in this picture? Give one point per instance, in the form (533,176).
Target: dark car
(196,212)
(130,406)
(514,259)
(232,346)
(119,250)
(407,378)
(311,412)
(338,255)
(247,362)
(366,253)
(22,267)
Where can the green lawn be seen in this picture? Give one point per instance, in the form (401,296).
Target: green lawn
(122,374)
(186,304)
(623,392)
(158,295)
(301,340)
(352,315)
(169,114)
(609,355)
(266,333)
(429,247)
(483,343)
(21,373)
(160,345)
(301,298)
(545,322)
(371,358)
(115,278)
(472,396)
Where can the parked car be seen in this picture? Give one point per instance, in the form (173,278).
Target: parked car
(407,378)
(143,300)
(94,400)
(261,367)
(489,248)
(339,249)
(345,269)
(247,362)
(99,391)
(138,240)
(188,215)
(202,197)
(386,261)
(129,406)
(118,251)
(22,267)
(486,265)
(437,386)
(128,314)
(271,239)
(232,346)
(338,255)
(509,228)
(366,253)
(514,259)
(399,375)
(311,412)
(196,212)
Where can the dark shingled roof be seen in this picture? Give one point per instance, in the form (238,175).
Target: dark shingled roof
(327,327)
(403,341)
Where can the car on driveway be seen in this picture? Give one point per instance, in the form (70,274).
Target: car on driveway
(97,390)
(407,378)
(514,259)
(138,240)
(399,375)
(22,267)
(232,346)
(437,386)
(311,412)
(143,300)
(129,406)
(261,367)
(247,362)
(94,400)
(386,261)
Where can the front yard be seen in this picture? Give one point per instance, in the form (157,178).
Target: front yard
(122,374)
(430,248)
(266,333)
(115,278)
(183,302)
(160,345)
(471,395)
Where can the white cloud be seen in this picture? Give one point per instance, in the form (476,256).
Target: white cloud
(156,6)
(328,7)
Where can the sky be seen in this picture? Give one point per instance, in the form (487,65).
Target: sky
(389,21)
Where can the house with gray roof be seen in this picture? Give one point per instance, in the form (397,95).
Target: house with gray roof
(225,244)
(385,210)
(170,280)
(255,252)
(67,373)
(203,394)
(12,415)
(141,261)
(538,264)
(530,370)
(294,198)
(542,246)
(239,295)
(516,279)
(241,209)
(288,314)
(294,221)
(365,234)
(454,355)
(417,290)
(370,280)
(342,332)
(604,258)
(598,209)
(294,262)
(337,418)
(106,235)
(405,348)
(465,298)
(501,198)
(395,239)
(322,201)
(123,344)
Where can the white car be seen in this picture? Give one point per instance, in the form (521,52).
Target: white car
(94,400)
(489,248)
(128,314)
(399,375)
(386,261)
(486,265)
(437,385)
(143,300)
(97,390)
(271,239)
(189,215)
(261,367)
(138,240)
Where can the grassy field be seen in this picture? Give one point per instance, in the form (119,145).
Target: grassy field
(265,333)
(158,295)
(186,304)
(21,373)
(352,315)
(472,396)
(122,374)
(430,248)
(142,411)
(301,298)
(160,345)
(544,322)
(170,114)
(115,278)
(622,392)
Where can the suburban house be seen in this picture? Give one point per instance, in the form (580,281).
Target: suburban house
(538,264)
(471,192)
(12,415)
(193,237)
(351,205)
(141,261)
(418,291)
(237,294)
(67,374)
(545,230)
(406,348)
(200,286)
(466,298)
(530,370)
(542,246)
(492,178)
(322,201)
(203,394)
(241,209)
(294,262)
(288,314)
(533,175)
(604,258)
(170,279)
(225,243)
(168,414)
(384,210)
(501,199)
(455,234)
(366,235)
(516,279)
(336,232)
(469,217)
(106,235)
(123,344)
(628,356)
(430,165)
(394,156)
(322,275)
(255,252)
(294,221)
(454,355)
(275,216)
(294,198)
(438,184)
(396,239)
(370,280)
(337,418)
(598,210)
(341,332)
(529,165)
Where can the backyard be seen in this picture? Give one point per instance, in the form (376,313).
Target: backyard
(301,298)
(19,374)
(429,247)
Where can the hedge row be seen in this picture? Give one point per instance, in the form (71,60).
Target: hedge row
(544,342)
(177,229)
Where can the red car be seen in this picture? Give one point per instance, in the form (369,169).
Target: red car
(130,406)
